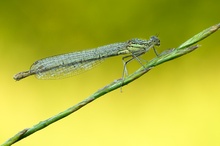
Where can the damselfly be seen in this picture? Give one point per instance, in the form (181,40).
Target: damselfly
(65,65)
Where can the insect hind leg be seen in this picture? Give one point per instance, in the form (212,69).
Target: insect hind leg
(125,71)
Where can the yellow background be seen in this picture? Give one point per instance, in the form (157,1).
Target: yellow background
(175,104)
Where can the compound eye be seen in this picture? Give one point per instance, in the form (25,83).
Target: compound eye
(155,40)
(158,43)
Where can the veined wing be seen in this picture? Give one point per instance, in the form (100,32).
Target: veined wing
(66,65)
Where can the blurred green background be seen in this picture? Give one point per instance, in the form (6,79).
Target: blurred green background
(177,103)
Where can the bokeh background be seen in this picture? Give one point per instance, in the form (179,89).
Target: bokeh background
(177,103)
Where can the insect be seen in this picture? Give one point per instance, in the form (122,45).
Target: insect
(65,65)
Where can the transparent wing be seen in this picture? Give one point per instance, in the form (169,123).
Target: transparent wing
(63,66)
(64,72)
